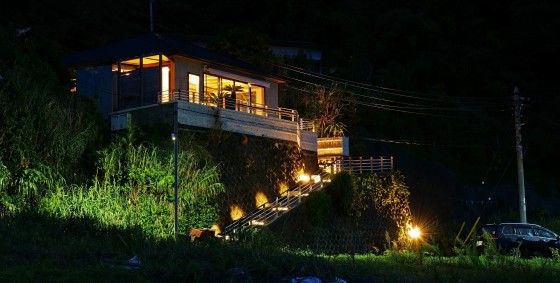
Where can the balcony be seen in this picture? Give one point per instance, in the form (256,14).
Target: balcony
(232,115)
(229,103)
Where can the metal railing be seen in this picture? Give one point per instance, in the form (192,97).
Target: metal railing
(268,212)
(240,105)
(359,165)
(306,125)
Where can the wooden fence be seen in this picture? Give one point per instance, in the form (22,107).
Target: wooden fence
(359,165)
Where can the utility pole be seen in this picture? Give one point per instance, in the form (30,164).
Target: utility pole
(520,175)
(151,17)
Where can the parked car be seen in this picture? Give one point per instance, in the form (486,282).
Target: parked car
(519,239)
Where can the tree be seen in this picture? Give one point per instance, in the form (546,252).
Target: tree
(326,106)
(244,44)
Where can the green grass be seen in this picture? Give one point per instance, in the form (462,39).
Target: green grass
(36,248)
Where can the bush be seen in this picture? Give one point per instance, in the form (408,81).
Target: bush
(342,189)
(317,207)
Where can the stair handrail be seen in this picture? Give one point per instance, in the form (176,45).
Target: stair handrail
(271,212)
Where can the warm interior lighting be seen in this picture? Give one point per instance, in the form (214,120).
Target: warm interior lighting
(154,59)
(165,84)
(236,212)
(414,232)
(260,199)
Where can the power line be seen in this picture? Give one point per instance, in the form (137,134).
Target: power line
(419,143)
(396,92)
(405,107)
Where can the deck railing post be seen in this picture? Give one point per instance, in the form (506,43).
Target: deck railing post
(360,165)
(381,163)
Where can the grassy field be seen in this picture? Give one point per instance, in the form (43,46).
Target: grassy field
(34,248)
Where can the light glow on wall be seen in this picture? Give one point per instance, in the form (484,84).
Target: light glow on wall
(216,228)
(236,212)
(260,199)
(283,189)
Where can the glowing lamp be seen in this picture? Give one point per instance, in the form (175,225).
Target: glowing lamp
(316,178)
(414,233)
(304,178)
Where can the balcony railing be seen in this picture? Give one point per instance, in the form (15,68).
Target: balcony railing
(307,125)
(240,105)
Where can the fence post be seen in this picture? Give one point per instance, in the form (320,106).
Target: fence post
(299,194)
(381,163)
(360,165)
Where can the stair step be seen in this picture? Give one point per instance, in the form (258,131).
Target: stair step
(281,208)
(257,223)
(269,212)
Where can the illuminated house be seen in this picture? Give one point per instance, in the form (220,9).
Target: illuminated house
(155,78)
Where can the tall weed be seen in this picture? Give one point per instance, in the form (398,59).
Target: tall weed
(134,187)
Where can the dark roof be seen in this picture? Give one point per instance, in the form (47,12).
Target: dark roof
(154,43)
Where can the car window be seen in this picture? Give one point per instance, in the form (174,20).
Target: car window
(522,231)
(508,230)
(543,233)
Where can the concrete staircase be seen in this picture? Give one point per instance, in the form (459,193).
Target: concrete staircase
(268,212)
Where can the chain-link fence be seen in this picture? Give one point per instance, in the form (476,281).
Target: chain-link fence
(337,234)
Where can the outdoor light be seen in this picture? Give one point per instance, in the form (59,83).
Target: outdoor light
(304,178)
(316,178)
(414,233)
(173,138)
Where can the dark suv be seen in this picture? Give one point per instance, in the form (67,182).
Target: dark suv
(520,239)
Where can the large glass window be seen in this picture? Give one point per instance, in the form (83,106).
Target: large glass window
(139,81)
(242,96)
(165,96)
(194,86)
(257,99)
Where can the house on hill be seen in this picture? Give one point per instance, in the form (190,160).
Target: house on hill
(155,79)
(158,78)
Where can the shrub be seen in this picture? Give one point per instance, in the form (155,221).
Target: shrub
(342,189)
(317,207)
